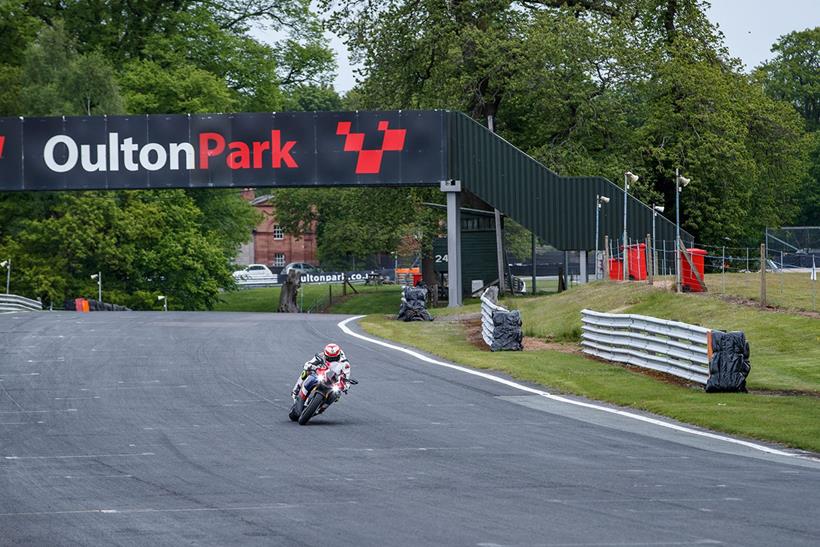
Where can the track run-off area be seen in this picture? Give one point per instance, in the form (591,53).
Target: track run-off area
(142,428)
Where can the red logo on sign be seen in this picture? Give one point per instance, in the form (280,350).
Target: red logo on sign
(370,161)
(2,142)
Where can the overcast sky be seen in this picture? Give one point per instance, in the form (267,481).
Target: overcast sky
(750,27)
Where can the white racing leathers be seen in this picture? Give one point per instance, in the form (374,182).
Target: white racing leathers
(336,369)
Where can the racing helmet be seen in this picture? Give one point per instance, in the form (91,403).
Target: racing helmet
(332,353)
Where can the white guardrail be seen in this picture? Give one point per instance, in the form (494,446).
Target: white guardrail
(11,302)
(487,309)
(666,346)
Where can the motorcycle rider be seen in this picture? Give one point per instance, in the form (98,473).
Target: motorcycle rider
(337,363)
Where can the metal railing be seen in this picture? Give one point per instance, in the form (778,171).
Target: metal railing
(487,309)
(666,346)
(11,302)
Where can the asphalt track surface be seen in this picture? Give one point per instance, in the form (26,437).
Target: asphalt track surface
(171,429)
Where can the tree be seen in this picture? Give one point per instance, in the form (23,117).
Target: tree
(594,88)
(56,79)
(793,75)
(72,57)
(144,243)
(354,224)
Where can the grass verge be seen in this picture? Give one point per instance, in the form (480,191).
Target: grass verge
(784,348)
(316,298)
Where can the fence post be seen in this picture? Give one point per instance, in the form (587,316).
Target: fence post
(606,257)
(723,270)
(650,273)
(665,271)
(330,295)
(763,275)
(344,284)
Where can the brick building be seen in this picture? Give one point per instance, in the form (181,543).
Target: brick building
(270,245)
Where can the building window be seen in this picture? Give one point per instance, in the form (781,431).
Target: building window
(278,232)
(279,259)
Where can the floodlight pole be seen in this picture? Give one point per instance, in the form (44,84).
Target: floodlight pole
(597,211)
(677,230)
(654,242)
(99,287)
(626,262)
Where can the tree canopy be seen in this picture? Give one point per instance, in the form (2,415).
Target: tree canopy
(137,57)
(598,87)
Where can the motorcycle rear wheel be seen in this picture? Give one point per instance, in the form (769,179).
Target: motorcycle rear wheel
(312,406)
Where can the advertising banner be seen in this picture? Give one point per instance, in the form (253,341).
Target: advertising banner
(223,150)
(316,278)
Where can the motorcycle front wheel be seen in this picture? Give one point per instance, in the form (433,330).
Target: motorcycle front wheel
(313,404)
(296,409)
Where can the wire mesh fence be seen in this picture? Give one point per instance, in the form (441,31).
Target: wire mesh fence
(789,279)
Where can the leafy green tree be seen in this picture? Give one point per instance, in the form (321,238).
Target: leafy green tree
(150,88)
(313,98)
(144,243)
(594,88)
(354,224)
(57,80)
(150,242)
(793,75)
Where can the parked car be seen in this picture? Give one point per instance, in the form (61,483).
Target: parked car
(301,267)
(253,271)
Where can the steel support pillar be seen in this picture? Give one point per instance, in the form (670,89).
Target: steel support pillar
(582,257)
(453,190)
(499,253)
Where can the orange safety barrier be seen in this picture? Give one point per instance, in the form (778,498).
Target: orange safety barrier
(407,276)
(689,280)
(616,269)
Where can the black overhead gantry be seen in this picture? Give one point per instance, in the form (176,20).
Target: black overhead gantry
(314,149)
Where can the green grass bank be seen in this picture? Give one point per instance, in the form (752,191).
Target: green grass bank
(784,405)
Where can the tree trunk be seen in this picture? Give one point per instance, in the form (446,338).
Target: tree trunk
(290,290)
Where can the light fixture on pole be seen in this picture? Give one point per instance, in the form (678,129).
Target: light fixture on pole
(7,265)
(599,200)
(98,277)
(164,300)
(629,177)
(680,184)
(655,210)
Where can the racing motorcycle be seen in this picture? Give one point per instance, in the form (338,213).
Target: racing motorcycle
(322,391)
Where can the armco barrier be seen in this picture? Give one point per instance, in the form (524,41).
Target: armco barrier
(11,302)
(666,346)
(487,309)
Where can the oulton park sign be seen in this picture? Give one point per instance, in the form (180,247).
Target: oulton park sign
(223,150)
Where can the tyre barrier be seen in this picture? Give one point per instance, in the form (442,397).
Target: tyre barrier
(84,305)
(500,327)
(412,305)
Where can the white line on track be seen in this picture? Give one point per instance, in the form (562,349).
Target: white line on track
(266,507)
(78,456)
(347,330)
